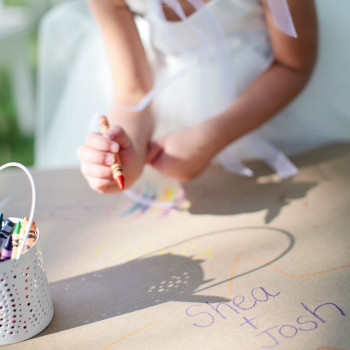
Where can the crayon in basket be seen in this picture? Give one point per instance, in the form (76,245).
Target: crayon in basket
(6,229)
(29,291)
(6,251)
(12,235)
(15,239)
(31,239)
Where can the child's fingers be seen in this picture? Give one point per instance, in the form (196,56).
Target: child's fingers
(97,141)
(91,155)
(103,186)
(96,171)
(118,135)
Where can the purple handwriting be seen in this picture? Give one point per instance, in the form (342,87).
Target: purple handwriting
(206,313)
(272,336)
(310,318)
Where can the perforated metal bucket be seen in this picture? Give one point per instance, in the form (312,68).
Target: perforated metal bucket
(25,301)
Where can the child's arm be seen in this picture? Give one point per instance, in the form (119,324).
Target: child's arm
(269,93)
(132,80)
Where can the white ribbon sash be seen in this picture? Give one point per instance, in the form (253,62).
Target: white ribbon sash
(262,148)
(282,17)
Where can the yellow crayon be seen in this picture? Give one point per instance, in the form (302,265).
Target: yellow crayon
(23,229)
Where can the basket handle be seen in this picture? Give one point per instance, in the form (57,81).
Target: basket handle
(30,220)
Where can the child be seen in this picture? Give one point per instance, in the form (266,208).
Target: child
(214,72)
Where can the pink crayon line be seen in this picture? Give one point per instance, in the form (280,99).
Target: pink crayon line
(178,198)
(151,197)
(169,197)
(327,348)
(131,334)
(144,203)
(131,210)
(278,269)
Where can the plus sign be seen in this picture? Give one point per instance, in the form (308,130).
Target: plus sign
(248,322)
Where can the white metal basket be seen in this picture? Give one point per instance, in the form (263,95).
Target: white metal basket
(25,301)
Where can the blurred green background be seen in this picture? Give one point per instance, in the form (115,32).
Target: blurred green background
(16,145)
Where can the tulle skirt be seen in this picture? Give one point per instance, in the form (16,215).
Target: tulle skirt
(75,83)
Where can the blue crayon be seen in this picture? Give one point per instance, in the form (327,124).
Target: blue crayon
(7,227)
(3,239)
(6,230)
(6,251)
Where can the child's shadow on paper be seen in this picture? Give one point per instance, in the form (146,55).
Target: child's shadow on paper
(210,193)
(125,288)
(243,195)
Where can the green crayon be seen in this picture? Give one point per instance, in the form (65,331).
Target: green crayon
(15,240)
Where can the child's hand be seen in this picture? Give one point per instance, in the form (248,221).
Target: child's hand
(183,154)
(97,155)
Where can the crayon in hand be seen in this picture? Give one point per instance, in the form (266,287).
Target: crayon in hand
(116,168)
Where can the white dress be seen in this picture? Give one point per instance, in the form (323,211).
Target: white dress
(199,70)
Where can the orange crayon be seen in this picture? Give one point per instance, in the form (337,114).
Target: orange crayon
(116,168)
(31,237)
